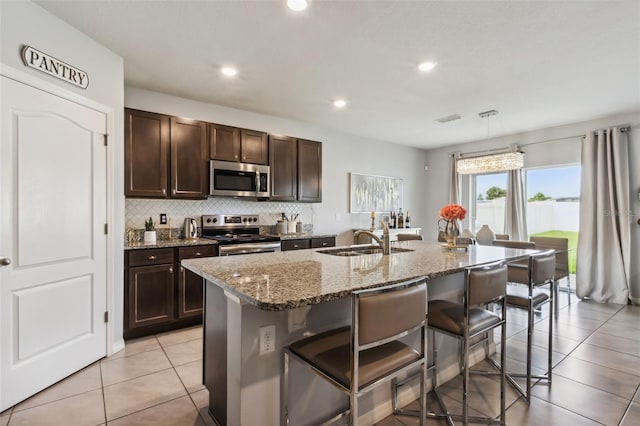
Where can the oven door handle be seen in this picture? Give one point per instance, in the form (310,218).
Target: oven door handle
(231,249)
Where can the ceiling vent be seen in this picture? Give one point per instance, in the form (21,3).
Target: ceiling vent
(449,118)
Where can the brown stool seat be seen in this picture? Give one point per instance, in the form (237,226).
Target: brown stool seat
(329,352)
(449,316)
(519,296)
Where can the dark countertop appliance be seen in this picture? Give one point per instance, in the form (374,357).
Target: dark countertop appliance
(238,234)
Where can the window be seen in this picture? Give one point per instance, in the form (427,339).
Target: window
(553,205)
(489,191)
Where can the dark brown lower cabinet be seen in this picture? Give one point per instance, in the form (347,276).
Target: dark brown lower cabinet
(190,285)
(160,294)
(190,292)
(150,295)
(305,243)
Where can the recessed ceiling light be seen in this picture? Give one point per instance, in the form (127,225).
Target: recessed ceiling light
(298,5)
(339,103)
(228,71)
(427,66)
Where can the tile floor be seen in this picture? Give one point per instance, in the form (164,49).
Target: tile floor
(157,380)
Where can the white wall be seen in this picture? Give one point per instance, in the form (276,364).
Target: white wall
(23,22)
(341,154)
(545,154)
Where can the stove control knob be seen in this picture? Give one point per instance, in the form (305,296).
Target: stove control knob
(215,219)
(244,219)
(255,219)
(209,220)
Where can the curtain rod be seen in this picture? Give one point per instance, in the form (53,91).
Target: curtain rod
(502,150)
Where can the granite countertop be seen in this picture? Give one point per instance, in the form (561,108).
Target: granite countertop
(170,243)
(285,280)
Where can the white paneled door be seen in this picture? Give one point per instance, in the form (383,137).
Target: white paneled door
(53,209)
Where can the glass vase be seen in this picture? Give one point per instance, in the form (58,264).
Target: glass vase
(451,232)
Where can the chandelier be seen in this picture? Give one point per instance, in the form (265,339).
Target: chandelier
(512,160)
(490,163)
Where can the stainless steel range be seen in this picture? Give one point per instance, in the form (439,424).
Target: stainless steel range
(238,234)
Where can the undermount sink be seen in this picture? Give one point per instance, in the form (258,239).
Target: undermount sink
(362,250)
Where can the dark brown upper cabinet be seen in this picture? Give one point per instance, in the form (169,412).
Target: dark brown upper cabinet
(254,147)
(309,171)
(284,168)
(224,142)
(146,145)
(188,158)
(164,156)
(241,145)
(296,169)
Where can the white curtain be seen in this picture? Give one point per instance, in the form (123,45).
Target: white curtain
(454,182)
(515,215)
(604,241)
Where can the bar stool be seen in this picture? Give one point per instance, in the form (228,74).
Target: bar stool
(538,272)
(357,358)
(561,247)
(484,284)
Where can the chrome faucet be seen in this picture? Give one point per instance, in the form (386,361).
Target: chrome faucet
(385,243)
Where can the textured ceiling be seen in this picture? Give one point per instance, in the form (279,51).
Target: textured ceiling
(540,64)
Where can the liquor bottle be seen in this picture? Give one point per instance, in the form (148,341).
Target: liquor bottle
(400,219)
(407,220)
(393,220)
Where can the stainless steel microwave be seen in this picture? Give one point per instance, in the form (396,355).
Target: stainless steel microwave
(229,179)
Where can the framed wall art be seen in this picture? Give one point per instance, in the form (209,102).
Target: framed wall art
(374,193)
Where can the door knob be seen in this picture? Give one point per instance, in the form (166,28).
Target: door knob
(4,261)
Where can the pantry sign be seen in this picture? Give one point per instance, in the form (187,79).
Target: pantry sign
(41,61)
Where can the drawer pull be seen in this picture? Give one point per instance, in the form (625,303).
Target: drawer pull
(198,253)
(152,257)
(296,246)
(324,244)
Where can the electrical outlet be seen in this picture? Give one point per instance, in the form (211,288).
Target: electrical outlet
(267,339)
(163,218)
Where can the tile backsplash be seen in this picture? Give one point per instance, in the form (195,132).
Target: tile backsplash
(137,210)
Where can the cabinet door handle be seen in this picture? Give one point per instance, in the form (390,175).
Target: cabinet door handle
(182,269)
(244,157)
(235,156)
(173,191)
(152,257)
(171,270)
(164,191)
(5,261)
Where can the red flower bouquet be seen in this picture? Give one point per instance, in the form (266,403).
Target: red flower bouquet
(453,211)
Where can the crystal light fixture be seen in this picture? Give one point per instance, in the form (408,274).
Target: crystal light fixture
(490,163)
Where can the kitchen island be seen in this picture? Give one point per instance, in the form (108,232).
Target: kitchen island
(301,293)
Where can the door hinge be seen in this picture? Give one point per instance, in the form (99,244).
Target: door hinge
(106,316)
(106,140)
(106,228)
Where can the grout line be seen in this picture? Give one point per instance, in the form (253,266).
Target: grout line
(183,385)
(108,359)
(14,411)
(147,408)
(137,377)
(104,401)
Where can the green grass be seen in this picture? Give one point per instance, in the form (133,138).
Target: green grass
(573,244)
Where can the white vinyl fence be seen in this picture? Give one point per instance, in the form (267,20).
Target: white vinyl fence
(542,216)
